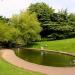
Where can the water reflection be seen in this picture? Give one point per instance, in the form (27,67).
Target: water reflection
(46,57)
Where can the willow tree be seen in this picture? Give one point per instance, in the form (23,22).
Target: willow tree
(28,26)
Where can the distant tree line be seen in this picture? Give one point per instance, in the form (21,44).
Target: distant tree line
(54,25)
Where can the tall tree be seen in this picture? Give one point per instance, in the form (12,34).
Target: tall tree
(42,10)
(28,26)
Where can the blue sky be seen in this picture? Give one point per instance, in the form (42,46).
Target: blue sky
(10,7)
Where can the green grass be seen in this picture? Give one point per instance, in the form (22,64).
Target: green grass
(67,45)
(8,69)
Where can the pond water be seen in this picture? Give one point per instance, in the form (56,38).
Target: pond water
(47,58)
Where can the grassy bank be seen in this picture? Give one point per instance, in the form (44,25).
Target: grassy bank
(8,69)
(67,45)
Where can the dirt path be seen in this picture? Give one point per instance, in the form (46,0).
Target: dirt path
(10,57)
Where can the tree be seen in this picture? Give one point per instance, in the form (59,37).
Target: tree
(8,34)
(42,10)
(64,15)
(4,19)
(28,26)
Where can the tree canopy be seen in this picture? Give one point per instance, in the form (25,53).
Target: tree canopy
(21,29)
(28,26)
(54,25)
(38,19)
(42,10)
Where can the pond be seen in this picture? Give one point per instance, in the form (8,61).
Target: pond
(47,58)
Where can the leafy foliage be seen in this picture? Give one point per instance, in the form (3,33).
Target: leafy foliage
(8,34)
(58,25)
(21,30)
(42,10)
(28,26)
(39,19)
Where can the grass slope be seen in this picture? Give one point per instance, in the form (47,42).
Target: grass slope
(8,69)
(67,45)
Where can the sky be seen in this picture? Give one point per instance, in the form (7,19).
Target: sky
(11,7)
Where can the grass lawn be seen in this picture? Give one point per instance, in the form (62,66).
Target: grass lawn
(67,45)
(8,69)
